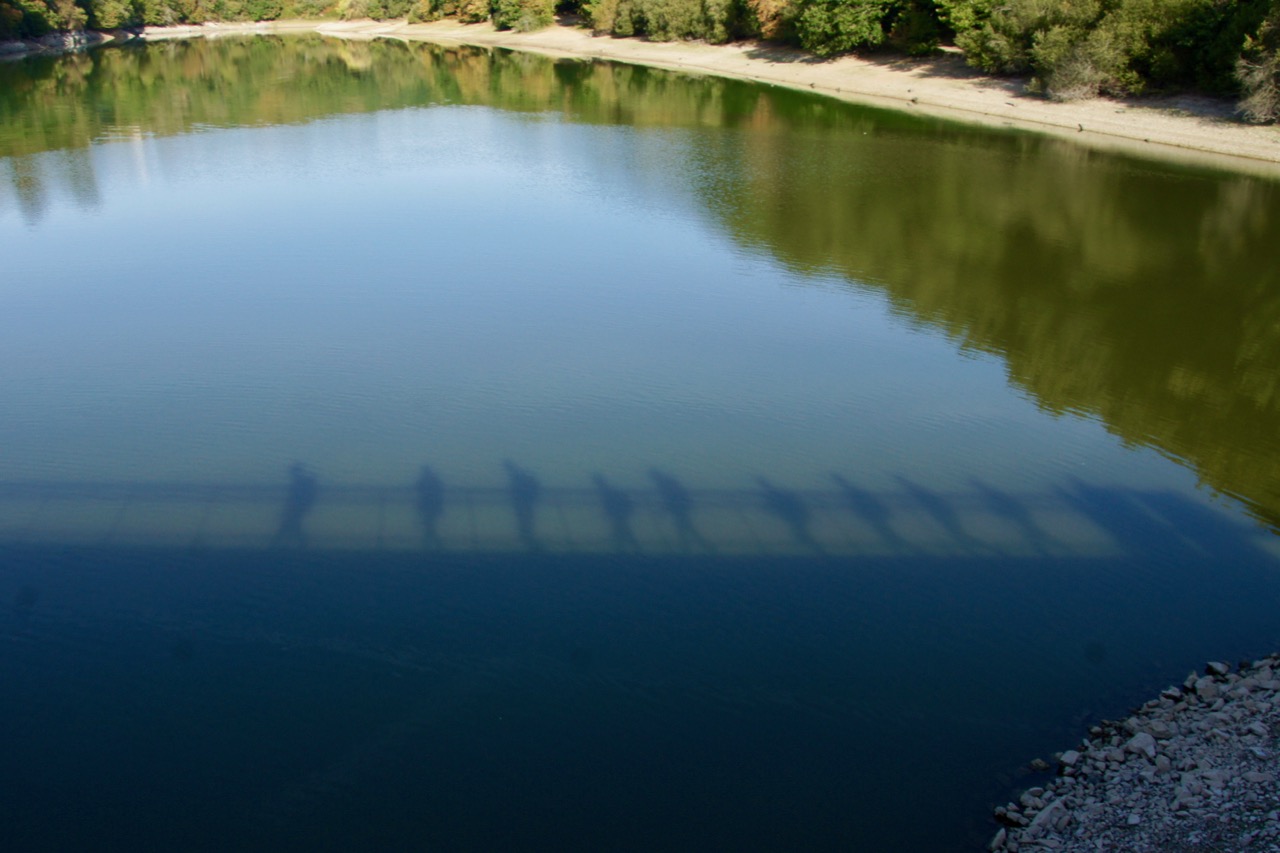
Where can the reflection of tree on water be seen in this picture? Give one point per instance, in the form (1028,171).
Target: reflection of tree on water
(788,507)
(678,503)
(524,491)
(428,499)
(618,508)
(299,498)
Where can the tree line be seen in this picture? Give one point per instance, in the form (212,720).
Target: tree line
(1070,48)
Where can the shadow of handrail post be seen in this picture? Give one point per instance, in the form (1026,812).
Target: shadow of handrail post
(524,490)
(788,507)
(299,499)
(618,508)
(873,511)
(428,500)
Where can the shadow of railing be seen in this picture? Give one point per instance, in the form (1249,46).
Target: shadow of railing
(663,517)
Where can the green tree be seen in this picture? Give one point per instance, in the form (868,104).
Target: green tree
(828,27)
(1259,71)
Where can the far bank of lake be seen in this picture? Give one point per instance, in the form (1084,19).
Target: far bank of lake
(1190,129)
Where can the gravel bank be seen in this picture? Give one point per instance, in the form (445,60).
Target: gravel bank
(1193,771)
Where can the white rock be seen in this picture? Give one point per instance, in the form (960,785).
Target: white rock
(1143,744)
(1206,688)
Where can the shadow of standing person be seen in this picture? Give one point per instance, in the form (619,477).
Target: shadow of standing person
(788,507)
(299,498)
(428,499)
(525,491)
(873,512)
(678,503)
(618,507)
(946,516)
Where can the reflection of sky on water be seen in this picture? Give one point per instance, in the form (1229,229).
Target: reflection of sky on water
(455,286)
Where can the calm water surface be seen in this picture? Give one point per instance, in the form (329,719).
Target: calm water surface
(410,447)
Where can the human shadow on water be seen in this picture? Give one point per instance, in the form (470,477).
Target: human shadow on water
(299,498)
(678,503)
(1015,513)
(873,512)
(788,507)
(525,491)
(618,508)
(428,500)
(945,515)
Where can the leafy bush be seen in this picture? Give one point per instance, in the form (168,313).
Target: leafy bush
(423,10)
(523,15)
(610,16)
(769,19)
(665,20)
(34,18)
(915,28)
(112,14)
(828,27)
(467,11)
(1259,71)
(1078,48)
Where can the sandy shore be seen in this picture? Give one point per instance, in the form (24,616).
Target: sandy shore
(1190,129)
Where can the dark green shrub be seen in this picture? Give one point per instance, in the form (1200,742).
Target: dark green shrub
(156,13)
(27,19)
(307,9)
(828,27)
(1259,71)
(1078,48)
(915,28)
(665,20)
(112,14)
(610,16)
(263,10)
(467,11)
(423,10)
(523,15)
(350,10)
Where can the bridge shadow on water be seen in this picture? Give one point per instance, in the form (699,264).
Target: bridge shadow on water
(525,666)
(664,516)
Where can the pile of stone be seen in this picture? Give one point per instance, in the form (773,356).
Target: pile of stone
(1194,770)
(60,42)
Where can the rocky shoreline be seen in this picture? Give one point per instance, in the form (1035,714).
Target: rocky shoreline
(1193,771)
(62,42)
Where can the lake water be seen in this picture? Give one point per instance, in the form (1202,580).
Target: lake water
(408,447)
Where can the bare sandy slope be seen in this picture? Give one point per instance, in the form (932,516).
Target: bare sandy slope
(1187,128)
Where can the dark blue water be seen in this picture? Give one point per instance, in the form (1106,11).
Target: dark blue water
(260,700)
